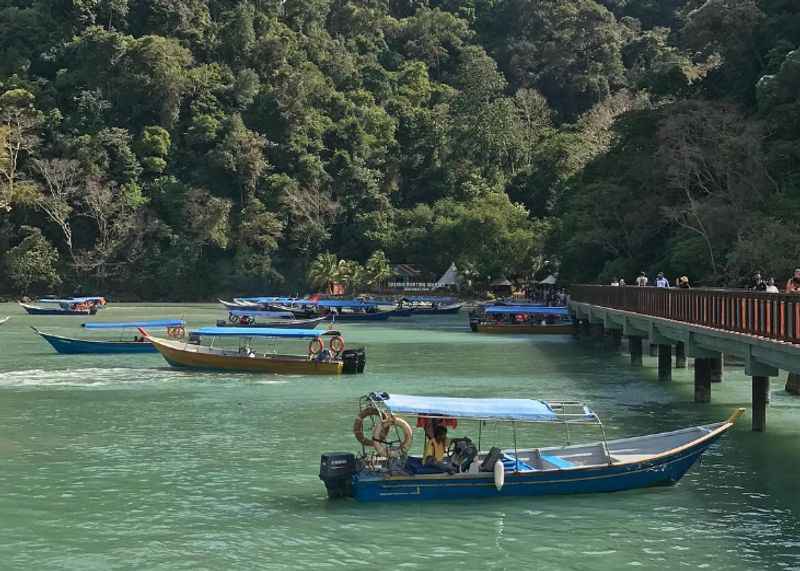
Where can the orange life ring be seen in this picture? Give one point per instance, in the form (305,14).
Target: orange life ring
(176,332)
(382,429)
(336,344)
(358,425)
(316,346)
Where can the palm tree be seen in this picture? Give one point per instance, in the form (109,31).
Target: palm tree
(352,275)
(378,269)
(324,271)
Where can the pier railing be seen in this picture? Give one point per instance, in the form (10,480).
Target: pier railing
(770,315)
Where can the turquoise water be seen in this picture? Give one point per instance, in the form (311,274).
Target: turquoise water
(119,462)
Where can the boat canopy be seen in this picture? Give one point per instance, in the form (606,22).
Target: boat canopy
(344,303)
(528,309)
(429,299)
(510,410)
(262,332)
(259,313)
(155,324)
(267,299)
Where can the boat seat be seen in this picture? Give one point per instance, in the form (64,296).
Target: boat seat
(557,461)
(510,463)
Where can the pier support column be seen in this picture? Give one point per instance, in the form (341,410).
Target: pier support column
(653,350)
(702,380)
(760,400)
(665,362)
(716,368)
(680,356)
(635,348)
(616,339)
(793,384)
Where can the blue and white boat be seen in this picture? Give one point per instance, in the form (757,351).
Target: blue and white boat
(139,344)
(386,469)
(68,306)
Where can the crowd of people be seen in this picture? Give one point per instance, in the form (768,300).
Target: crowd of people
(758,283)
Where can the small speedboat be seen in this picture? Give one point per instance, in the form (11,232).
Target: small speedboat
(75,346)
(319,359)
(387,470)
(270,319)
(431,305)
(530,319)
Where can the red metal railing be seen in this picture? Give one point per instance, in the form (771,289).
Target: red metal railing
(771,315)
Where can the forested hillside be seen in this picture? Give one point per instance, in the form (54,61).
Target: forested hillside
(178,148)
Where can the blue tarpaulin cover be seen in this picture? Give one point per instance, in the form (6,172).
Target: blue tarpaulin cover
(344,303)
(528,309)
(523,410)
(261,332)
(259,313)
(156,324)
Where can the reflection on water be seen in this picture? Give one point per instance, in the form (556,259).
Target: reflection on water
(122,462)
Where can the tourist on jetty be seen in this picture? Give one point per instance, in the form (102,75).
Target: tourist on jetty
(615,282)
(661,281)
(642,280)
(621,282)
(793,285)
(683,282)
(771,287)
(758,283)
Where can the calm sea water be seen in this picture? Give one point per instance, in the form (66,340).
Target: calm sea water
(120,462)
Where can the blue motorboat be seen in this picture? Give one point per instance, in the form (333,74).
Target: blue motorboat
(387,470)
(68,306)
(73,346)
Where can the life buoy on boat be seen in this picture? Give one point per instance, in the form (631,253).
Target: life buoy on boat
(316,346)
(381,431)
(358,425)
(175,332)
(336,344)
(499,475)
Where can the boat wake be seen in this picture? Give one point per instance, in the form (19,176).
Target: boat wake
(81,377)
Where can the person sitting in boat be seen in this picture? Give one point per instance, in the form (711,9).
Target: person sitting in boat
(436,443)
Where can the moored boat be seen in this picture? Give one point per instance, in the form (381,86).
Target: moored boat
(269,319)
(530,319)
(75,346)
(69,306)
(387,471)
(431,305)
(319,359)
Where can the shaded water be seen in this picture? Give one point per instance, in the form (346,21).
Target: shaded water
(121,462)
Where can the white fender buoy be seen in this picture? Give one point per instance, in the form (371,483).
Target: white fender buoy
(499,475)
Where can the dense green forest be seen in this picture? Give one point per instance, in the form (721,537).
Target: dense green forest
(181,148)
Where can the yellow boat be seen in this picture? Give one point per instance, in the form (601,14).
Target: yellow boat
(529,319)
(319,360)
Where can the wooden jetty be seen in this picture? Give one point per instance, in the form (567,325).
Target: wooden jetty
(761,329)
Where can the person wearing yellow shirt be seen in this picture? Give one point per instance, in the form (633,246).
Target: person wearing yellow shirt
(435,448)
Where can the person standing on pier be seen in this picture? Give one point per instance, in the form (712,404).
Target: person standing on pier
(793,285)
(758,283)
(771,287)
(661,281)
(642,280)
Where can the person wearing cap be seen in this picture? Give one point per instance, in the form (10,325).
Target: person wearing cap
(661,281)
(793,285)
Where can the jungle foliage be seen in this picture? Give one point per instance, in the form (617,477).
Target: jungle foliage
(181,148)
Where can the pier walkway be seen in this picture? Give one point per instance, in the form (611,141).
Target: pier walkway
(760,329)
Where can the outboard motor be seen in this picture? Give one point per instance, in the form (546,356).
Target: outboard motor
(355,360)
(336,470)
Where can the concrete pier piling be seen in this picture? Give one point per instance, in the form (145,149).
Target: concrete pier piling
(793,384)
(717,366)
(760,400)
(635,348)
(665,362)
(680,356)
(702,380)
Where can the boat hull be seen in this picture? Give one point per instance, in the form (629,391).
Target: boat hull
(530,329)
(183,355)
(375,316)
(69,346)
(279,323)
(450,309)
(613,478)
